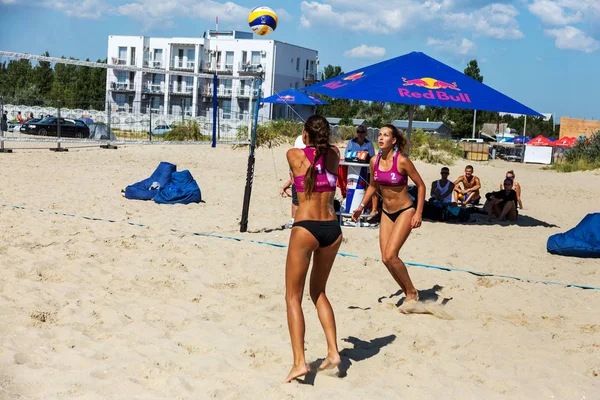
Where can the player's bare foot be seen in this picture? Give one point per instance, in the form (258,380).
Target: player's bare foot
(297,372)
(331,361)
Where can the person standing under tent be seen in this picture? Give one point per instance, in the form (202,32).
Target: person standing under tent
(390,171)
(316,234)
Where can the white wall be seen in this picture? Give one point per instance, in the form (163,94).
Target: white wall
(279,71)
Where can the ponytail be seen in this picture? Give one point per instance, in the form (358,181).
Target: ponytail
(317,128)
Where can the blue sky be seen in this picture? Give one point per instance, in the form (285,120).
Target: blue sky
(542,53)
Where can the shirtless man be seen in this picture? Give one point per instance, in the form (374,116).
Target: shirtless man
(469,193)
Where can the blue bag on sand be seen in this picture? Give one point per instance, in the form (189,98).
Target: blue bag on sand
(581,241)
(145,190)
(182,189)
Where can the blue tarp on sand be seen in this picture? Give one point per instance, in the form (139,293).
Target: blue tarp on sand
(166,186)
(581,241)
(182,189)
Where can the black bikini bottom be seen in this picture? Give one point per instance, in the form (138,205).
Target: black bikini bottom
(394,216)
(326,232)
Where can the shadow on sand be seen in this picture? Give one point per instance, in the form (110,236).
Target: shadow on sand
(360,350)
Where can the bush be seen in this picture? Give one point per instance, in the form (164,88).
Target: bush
(584,156)
(187,131)
(273,133)
(347,132)
(432,149)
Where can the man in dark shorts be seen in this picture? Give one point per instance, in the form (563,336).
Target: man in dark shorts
(503,203)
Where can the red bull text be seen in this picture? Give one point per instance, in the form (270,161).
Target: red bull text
(434,91)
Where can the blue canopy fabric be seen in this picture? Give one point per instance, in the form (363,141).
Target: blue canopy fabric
(418,79)
(293,96)
(518,139)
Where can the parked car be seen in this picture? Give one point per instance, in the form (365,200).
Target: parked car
(471,140)
(48,127)
(162,129)
(14,127)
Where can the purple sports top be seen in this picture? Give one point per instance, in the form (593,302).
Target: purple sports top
(325,181)
(393,177)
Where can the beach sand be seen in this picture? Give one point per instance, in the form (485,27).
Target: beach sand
(94,309)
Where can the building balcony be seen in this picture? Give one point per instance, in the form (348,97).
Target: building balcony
(158,64)
(247,93)
(310,76)
(182,64)
(122,87)
(183,90)
(156,88)
(118,61)
(250,69)
(212,66)
(207,91)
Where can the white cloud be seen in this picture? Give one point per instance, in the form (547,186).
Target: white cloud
(364,51)
(553,13)
(161,12)
(92,9)
(305,23)
(391,16)
(571,38)
(453,46)
(496,20)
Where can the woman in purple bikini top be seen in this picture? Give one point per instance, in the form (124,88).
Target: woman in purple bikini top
(325,181)
(392,177)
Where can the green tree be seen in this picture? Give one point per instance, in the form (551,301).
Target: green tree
(331,71)
(16,77)
(42,77)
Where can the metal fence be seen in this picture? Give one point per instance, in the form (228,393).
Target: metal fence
(135,121)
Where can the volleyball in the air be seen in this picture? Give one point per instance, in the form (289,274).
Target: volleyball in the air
(262,20)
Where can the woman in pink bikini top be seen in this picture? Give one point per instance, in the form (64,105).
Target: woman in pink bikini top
(390,171)
(392,177)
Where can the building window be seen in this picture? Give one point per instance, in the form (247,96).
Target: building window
(122,55)
(121,76)
(226,109)
(296,85)
(132,60)
(255,58)
(229,61)
(298,64)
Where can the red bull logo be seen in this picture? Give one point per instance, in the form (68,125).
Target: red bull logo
(353,77)
(436,90)
(287,97)
(338,84)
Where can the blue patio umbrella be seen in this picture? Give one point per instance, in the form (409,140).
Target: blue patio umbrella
(519,139)
(418,79)
(293,96)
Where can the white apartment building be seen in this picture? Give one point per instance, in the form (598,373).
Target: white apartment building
(233,53)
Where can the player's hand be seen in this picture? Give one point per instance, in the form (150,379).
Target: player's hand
(416,221)
(356,213)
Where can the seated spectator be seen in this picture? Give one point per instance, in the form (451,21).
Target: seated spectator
(468,194)
(516,187)
(441,190)
(30,116)
(503,203)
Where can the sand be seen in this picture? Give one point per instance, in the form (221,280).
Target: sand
(93,309)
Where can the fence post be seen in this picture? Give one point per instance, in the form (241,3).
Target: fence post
(108,117)
(3,126)
(58,148)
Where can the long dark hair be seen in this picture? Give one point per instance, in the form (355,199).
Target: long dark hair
(318,132)
(400,139)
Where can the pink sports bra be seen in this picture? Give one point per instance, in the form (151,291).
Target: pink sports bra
(393,177)
(325,181)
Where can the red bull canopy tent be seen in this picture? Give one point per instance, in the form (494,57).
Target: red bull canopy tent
(418,79)
(293,96)
(540,141)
